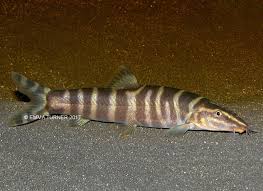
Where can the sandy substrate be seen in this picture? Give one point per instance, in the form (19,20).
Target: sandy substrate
(49,155)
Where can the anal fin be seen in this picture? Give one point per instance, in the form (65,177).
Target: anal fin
(79,122)
(126,130)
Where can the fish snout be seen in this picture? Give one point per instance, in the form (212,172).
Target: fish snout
(243,129)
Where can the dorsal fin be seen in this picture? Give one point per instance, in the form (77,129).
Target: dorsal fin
(124,79)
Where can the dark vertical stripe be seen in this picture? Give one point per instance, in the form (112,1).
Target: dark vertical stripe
(206,103)
(140,107)
(73,95)
(153,112)
(87,102)
(184,101)
(103,100)
(121,106)
(167,96)
(173,109)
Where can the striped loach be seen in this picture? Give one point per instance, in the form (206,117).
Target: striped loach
(127,102)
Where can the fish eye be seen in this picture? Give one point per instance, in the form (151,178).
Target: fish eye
(218,113)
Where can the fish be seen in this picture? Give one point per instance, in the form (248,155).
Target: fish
(125,101)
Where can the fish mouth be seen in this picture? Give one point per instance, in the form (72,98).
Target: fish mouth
(244,129)
(240,129)
(237,129)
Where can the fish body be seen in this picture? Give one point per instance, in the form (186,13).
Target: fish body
(150,106)
(127,102)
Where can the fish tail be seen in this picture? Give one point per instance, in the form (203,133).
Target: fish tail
(37,95)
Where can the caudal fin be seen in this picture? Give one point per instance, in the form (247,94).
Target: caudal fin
(37,104)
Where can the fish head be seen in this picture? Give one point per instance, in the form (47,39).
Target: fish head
(209,116)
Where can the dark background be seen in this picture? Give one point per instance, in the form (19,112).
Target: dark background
(213,48)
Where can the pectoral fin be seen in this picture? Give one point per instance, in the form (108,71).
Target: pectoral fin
(179,129)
